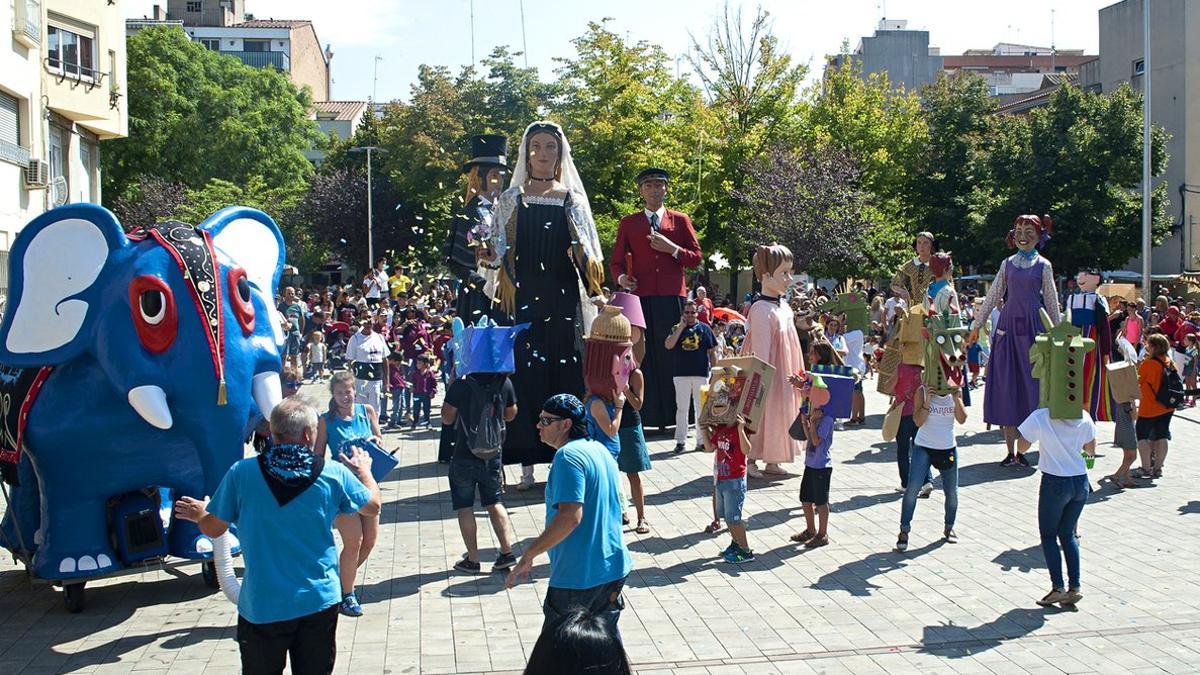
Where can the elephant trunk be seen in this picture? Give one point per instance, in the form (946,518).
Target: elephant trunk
(223,559)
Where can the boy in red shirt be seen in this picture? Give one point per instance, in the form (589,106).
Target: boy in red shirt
(729,441)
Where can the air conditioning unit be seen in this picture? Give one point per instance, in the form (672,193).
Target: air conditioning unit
(37,174)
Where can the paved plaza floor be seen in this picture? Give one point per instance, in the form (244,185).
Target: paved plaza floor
(851,607)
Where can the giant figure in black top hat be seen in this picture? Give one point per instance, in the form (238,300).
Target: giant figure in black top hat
(486,172)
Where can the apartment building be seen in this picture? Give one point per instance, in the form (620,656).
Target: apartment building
(902,53)
(287,45)
(62,92)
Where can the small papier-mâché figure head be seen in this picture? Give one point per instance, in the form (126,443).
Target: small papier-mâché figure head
(944,353)
(1057,358)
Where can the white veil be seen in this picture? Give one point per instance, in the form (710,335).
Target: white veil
(570,180)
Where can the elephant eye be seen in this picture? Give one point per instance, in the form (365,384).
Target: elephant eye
(154,306)
(154,315)
(240,298)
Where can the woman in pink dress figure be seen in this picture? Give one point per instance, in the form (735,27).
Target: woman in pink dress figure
(771,336)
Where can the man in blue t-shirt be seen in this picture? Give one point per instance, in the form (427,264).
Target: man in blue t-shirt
(283,503)
(695,349)
(588,558)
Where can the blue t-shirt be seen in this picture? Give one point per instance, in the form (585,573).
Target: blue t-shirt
(691,352)
(340,432)
(818,457)
(611,443)
(291,559)
(594,553)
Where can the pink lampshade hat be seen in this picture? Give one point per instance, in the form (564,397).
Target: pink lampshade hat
(631,307)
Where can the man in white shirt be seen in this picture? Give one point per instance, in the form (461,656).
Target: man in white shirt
(375,285)
(365,354)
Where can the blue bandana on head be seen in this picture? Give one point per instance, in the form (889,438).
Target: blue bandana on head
(571,408)
(289,469)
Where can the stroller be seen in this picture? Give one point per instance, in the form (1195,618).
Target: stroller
(337,336)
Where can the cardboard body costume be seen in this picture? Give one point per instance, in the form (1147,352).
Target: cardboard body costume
(771,337)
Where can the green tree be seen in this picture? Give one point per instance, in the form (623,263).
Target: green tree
(195,115)
(881,128)
(1079,159)
(753,89)
(623,110)
(950,185)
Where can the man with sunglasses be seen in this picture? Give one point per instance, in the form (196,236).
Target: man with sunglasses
(588,558)
(695,349)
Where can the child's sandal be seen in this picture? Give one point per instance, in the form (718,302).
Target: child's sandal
(713,527)
(802,536)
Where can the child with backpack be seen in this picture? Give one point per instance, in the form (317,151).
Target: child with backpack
(1162,393)
(479,406)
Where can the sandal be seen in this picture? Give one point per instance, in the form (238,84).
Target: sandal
(802,537)
(713,527)
(624,519)
(1142,473)
(818,541)
(642,527)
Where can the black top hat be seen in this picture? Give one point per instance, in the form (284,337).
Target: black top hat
(653,174)
(487,150)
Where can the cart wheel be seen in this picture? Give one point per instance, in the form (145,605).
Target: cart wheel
(74,597)
(208,571)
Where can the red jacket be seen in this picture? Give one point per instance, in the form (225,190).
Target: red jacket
(657,273)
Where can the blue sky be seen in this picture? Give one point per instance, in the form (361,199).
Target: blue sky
(407,33)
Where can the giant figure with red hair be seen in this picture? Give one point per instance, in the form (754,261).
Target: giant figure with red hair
(1025,282)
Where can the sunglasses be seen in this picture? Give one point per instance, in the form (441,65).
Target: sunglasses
(293,384)
(546,420)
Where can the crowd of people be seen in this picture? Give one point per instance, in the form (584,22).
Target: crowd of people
(536,373)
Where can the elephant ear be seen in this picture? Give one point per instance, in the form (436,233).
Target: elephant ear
(251,240)
(57,275)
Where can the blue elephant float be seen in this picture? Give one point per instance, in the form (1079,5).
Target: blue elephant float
(130,362)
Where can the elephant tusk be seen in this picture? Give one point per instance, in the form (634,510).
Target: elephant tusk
(268,392)
(150,401)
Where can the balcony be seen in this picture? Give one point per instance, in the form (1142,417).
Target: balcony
(27,22)
(276,60)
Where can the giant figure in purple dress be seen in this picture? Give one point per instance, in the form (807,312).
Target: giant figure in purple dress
(1026,283)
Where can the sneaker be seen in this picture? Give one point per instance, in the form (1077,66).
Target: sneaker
(1022,461)
(465,565)
(349,605)
(525,484)
(737,554)
(901,545)
(951,536)
(679,448)
(728,549)
(753,471)
(1054,597)
(1071,597)
(1009,461)
(839,425)
(504,562)
(926,490)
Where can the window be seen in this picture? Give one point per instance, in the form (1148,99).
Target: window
(1139,67)
(211,43)
(60,142)
(11,149)
(70,52)
(193,7)
(256,45)
(89,152)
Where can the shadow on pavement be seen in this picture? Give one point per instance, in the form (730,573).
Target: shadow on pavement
(949,640)
(1022,560)
(854,577)
(1190,507)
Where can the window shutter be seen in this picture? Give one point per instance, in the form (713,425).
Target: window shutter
(10,127)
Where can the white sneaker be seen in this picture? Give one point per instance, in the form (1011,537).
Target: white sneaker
(752,471)
(926,490)
(525,484)
(838,425)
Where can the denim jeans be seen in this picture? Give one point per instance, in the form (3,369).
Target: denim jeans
(904,442)
(920,465)
(420,403)
(1060,501)
(604,601)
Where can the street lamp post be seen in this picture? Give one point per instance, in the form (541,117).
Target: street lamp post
(1146,185)
(370,212)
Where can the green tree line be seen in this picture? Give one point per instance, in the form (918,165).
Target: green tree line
(849,163)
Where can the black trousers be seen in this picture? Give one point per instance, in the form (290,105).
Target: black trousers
(311,641)
(662,312)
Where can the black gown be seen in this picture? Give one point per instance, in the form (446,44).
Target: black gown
(549,356)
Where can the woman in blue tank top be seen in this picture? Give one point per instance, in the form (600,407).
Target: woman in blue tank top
(347,421)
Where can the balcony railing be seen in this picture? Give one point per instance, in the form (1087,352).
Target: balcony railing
(27,22)
(276,60)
